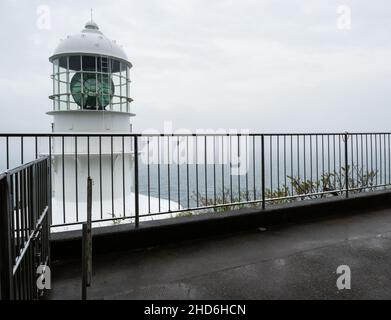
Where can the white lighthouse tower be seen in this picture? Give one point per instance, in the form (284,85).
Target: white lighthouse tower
(91,104)
(91,96)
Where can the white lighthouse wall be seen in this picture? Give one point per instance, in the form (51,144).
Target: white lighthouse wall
(112,182)
(90,121)
(112,193)
(111,164)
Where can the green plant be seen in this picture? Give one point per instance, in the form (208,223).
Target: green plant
(276,195)
(329,184)
(115,220)
(224,201)
(184,214)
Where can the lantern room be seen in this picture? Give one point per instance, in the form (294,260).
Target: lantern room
(90,72)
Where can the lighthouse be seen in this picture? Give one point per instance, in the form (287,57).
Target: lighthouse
(91,110)
(91,95)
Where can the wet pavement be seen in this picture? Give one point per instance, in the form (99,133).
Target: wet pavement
(284,262)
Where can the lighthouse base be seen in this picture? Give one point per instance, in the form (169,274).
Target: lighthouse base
(120,216)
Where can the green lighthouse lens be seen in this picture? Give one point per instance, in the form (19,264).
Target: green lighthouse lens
(98,90)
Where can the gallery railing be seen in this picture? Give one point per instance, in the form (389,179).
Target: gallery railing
(24,229)
(139,177)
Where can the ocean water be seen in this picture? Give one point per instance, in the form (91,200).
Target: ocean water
(196,185)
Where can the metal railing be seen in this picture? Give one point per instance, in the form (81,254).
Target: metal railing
(138,177)
(24,228)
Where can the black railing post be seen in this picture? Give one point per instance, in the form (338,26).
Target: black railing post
(86,255)
(89,230)
(49,204)
(346,167)
(50,181)
(84,262)
(263,170)
(7,152)
(34,191)
(6,272)
(136,186)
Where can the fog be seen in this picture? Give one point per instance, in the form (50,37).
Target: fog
(265,66)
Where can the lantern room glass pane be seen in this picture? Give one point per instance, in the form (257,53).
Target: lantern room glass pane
(115,66)
(89,63)
(74,63)
(63,63)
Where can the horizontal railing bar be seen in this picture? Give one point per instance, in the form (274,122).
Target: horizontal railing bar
(223,205)
(68,224)
(66,134)
(370,187)
(24,166)
(31,236)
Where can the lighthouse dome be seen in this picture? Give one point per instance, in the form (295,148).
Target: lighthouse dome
(90,41)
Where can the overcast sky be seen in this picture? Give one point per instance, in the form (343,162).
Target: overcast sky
(265,66)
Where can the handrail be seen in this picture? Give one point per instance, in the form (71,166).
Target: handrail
(24,228)
(199,134)
(141,176)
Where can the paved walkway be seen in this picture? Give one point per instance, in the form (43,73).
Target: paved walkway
(285,262)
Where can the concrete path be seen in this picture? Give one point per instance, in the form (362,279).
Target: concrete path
(285,262)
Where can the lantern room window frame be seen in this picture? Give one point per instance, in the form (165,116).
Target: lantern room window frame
(66,66)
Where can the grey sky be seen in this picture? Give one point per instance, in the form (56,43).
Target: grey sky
(275,66)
